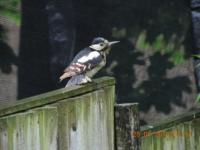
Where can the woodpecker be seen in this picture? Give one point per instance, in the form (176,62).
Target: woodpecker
(87,62)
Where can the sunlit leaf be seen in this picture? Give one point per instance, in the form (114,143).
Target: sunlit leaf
(141,41)
(196,56)
(178,56)
(198,98)
(159,43)
(15,17)
(8,8)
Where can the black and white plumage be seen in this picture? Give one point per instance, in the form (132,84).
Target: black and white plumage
(87,62)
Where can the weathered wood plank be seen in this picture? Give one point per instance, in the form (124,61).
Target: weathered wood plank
(55,96)
(86,122)
(62,120)
(127,128)
(170,122)
(196,133)
(180,134)
(32,130)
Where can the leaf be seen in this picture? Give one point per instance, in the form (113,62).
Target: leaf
(196,56)
(159,42)
(177,56)
(9,9)
(198,98)
(14,16)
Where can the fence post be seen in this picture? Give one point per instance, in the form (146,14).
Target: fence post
(127,130)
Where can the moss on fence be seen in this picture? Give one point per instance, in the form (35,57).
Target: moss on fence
(67,119)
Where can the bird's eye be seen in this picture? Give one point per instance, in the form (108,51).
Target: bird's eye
(101,44)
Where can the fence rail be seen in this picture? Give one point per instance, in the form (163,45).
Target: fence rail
(178,133)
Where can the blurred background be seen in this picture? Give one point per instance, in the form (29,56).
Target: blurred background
(153,63)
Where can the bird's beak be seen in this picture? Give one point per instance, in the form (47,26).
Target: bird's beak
(113,42)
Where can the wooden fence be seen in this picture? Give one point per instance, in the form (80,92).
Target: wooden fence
(80,118)
(178,133)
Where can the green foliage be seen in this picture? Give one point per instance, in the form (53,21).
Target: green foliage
(141,43)
(159,43)
(10,9)
(198,57)
(198,98)
(170,47)
(173,47)
(177,57)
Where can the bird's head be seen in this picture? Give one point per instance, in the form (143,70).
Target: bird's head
(101,44)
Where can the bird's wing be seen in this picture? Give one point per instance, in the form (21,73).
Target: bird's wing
(82,64)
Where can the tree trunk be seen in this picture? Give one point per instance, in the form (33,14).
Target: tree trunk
(47,39)
(61,36)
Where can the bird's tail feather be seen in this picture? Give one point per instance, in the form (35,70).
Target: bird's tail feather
(64,76)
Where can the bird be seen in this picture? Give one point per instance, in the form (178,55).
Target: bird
(87,62)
